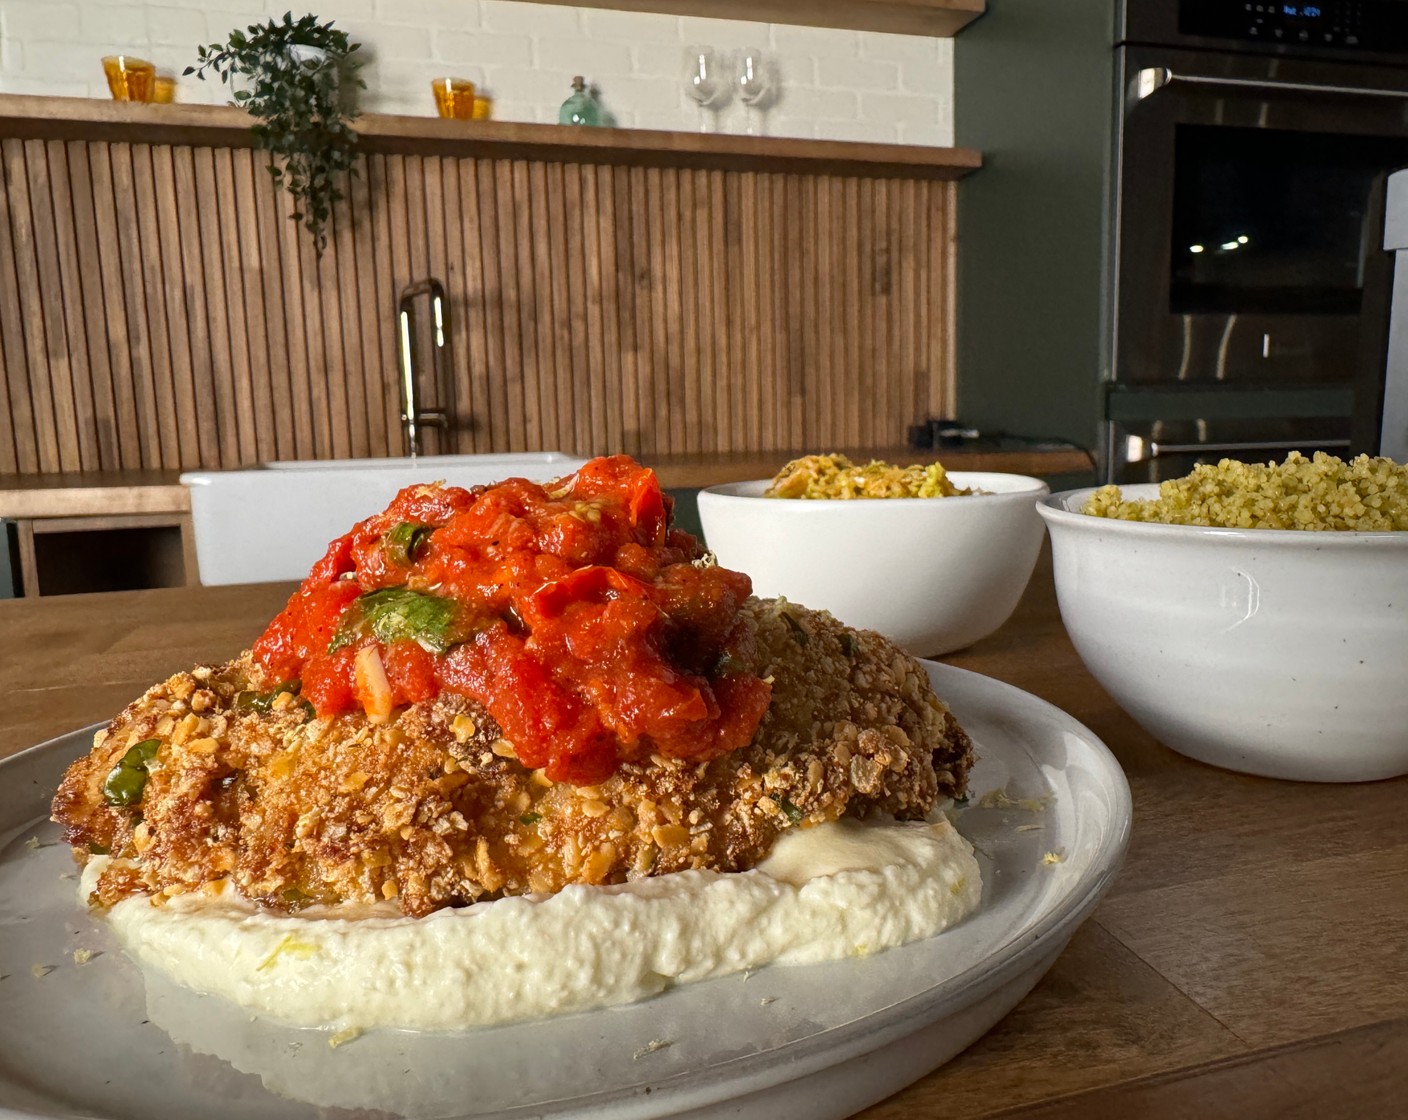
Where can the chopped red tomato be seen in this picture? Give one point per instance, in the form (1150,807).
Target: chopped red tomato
(410,669)
(571,611)
(306,626)
(592,584)
(328,680)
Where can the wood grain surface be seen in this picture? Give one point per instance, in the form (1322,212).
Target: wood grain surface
(942,18)
(92,493)
(159,310)
(223,126)
(1248,961)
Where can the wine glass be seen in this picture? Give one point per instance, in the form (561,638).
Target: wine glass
(754,81)
(705,82)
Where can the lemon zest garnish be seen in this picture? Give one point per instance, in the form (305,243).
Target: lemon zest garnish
(1000,799)
(300,949)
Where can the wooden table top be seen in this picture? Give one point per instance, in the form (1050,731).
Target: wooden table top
(1249,961)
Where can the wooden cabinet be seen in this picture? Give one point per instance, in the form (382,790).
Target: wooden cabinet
(70,555)
(101,531)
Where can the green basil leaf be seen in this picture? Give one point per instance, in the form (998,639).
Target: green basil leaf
(405,541)
(799,632)
(248,701)
(398,614)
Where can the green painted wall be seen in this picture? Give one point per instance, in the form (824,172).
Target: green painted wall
(687,511)
(1033,92)
(9,577)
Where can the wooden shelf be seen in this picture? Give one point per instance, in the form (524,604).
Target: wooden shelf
(82,118)
(939,18)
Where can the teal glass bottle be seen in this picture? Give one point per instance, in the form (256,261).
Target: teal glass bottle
(581,108)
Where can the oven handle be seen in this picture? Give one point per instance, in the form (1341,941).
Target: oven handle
(1151,79)
(1157,449)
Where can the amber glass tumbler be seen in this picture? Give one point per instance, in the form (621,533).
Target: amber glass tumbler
(130,79)
(454,98)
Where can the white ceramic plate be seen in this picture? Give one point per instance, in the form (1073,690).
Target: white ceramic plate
(816,1041)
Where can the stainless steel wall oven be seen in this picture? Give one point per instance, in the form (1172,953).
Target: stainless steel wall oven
(1252,142)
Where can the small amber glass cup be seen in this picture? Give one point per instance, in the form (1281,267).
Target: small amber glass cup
(483,107)
(130,79)
(164,89)
(454,98)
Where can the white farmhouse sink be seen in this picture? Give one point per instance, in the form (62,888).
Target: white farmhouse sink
(273,521)
(514,461)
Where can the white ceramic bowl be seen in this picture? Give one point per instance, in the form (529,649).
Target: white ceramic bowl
(934,574)
(1274,652)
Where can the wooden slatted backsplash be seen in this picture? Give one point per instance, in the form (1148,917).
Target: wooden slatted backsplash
(159,310)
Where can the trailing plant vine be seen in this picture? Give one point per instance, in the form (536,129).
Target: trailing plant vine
(297,76)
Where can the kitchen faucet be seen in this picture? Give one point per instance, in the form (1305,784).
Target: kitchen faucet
(413,419)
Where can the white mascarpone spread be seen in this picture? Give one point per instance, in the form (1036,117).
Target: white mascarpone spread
(833,891)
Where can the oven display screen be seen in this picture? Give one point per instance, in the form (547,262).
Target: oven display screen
(1377,25)
(1269,221)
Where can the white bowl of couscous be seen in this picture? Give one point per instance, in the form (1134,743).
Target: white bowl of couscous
(933,573)
(1242,641)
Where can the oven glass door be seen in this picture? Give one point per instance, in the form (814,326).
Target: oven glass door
(1272,221)
(1245,218)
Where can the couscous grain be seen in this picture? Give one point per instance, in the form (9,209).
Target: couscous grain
(1320,493)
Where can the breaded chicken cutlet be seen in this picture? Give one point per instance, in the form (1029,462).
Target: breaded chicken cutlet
(501,691)
(433,810)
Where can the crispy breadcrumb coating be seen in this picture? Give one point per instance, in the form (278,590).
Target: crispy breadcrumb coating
(433,809)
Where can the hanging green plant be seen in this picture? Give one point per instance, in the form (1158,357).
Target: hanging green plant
(296,79)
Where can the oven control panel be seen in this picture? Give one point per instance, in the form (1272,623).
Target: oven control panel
(1380,26)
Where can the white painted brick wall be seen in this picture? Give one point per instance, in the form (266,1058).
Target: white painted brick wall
(841,85)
